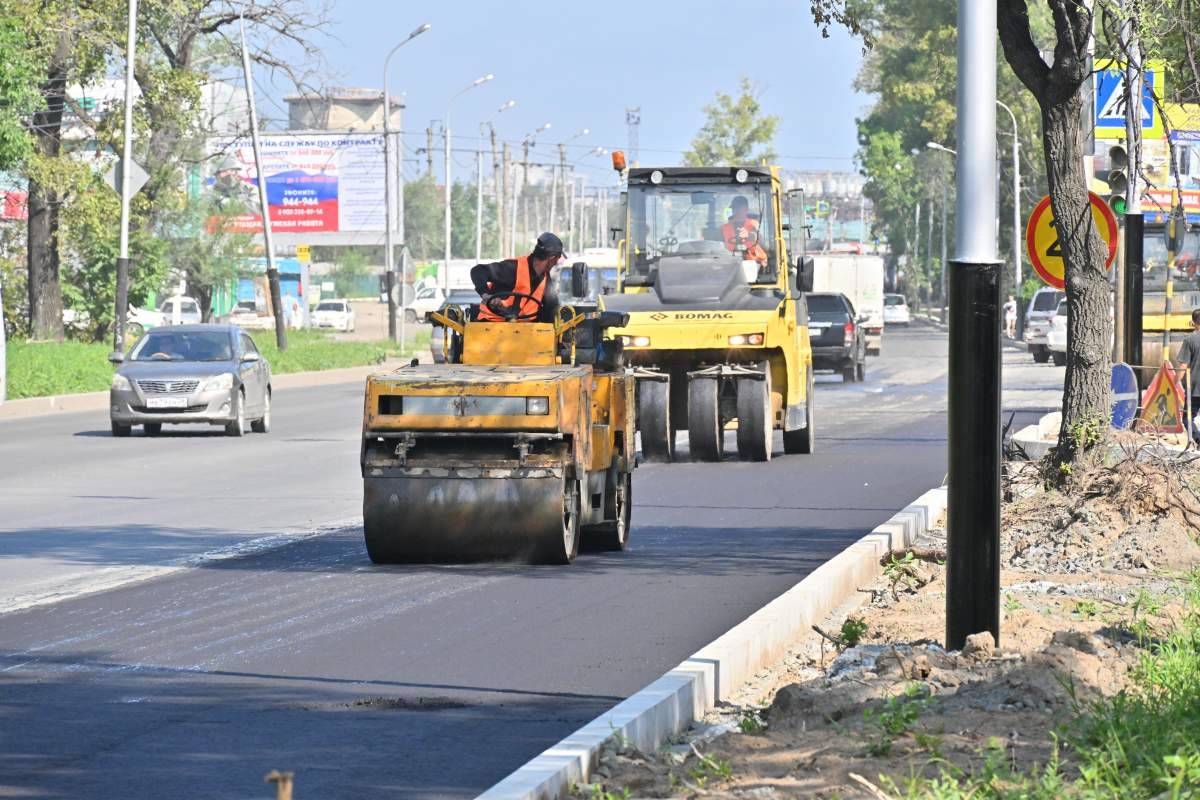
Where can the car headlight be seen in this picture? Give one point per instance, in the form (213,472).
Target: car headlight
(120,383)
(745,338)
(217,383)
(537,406)
(635,341)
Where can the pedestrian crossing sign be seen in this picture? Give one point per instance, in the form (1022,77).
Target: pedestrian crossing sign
(1162,404)
(1110,99)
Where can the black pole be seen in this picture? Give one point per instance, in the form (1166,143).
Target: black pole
(277,304)
(122,305)
(973,515)
(1135,230)
(390,283)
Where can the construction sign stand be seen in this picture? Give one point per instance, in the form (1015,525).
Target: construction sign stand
(1163,406)
(1045,251)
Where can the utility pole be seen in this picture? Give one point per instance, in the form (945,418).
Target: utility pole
(916,255)
(126,186)
(633,119)
(1134,220)
(929,238)
(943,265)
(448,198)
(973,514)
(268,242)
(1016,231)
(429,150)
(497,193)
(553,195)
(479,203)
(505,233)
(512,211)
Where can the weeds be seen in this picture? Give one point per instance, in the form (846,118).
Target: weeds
(902,573)
(1011,604)
(751,724)
(708,769)
(1087,609)
(853,630)
(601,793)
(895,718)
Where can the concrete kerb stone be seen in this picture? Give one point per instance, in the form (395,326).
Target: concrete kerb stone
(685,694)
(98,401)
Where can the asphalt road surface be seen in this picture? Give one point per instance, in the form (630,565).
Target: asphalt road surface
(398,681)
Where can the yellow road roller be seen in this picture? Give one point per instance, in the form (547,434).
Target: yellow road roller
(517,446)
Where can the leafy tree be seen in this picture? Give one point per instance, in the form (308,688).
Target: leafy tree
(734,131)
(18,92)
(198,243)
(423,219)
(462,222)
(347,274)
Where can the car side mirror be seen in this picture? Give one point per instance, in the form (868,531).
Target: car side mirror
(116,357)
(805,271)
(249,358)
(579,279)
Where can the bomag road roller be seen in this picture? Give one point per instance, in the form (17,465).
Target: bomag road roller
(518,445)
(718,326)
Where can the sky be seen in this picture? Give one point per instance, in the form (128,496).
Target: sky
(580,64)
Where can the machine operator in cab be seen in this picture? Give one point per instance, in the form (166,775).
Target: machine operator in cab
(741,232)
(528,278)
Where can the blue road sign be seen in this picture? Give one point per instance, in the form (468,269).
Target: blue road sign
(1110,100)
(1125,396)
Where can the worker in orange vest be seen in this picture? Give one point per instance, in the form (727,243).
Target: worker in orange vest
(741,232)
(522,282)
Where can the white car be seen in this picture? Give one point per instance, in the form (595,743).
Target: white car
(336,314)
(180,310)
(247,317)
(895,310)
(1056,338)
(429,298)
(140,320)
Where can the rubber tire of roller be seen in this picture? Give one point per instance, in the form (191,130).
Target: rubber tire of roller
(654,420)
(613,535)
(860,371)
(1041,355)
(803,441)
(705,434)
(755,423)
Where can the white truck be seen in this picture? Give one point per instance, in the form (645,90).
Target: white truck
(860,278)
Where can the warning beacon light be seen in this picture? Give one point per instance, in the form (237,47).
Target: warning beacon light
(618,160)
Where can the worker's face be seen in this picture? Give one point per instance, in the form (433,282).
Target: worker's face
(544,265)
(739,213)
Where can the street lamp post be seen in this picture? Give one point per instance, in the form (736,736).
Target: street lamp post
(446,141)
(391,217)
(942,148)
(571,224)
(562,161)
(1016,231)
(479,181)
(526,143)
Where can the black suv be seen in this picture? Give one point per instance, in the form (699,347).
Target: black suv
(837,335)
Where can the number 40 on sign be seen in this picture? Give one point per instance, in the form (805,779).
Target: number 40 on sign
(1045,250)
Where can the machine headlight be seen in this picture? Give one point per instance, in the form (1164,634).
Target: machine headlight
(217,383)
(656,177)
(120,383)
(635,341)
(741,176)
(537,406)
(745,338)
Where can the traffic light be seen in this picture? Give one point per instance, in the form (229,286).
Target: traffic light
(1118,177)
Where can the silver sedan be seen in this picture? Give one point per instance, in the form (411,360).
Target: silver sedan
(191,373)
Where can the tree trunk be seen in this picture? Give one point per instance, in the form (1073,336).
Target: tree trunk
(1086,389)
(45,290)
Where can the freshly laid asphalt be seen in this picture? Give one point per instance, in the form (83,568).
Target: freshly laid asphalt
(400,681)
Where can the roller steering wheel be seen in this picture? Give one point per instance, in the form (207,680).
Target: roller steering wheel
(668,243)
(513,313)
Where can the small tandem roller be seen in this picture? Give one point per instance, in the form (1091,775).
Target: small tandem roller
(518,445)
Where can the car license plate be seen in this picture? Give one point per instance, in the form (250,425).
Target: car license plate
(166,402)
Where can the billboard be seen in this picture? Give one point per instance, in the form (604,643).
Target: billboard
(315,183)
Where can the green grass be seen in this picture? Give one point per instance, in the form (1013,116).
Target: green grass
(40,369)
(1141,744)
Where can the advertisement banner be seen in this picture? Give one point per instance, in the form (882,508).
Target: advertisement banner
(14,205)
(315,184)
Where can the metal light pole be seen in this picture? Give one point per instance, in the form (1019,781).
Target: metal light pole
(942,148)
(389,254)
(264,208)
(562,158)
(446,141)
(126,193)
(973,515)
(526,143)
(1016,231)
(479,181)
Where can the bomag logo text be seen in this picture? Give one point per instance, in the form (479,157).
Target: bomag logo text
(695,316)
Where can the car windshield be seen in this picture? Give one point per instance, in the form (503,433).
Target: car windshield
(1062,309)
(159,345)
(330,306)
(247,305)
(893,300)
(734,220)
(825,304)
(1046,301)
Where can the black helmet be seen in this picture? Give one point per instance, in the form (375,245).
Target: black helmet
(548,245)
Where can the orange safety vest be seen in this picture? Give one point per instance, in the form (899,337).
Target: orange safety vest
(529,309)
(754,251)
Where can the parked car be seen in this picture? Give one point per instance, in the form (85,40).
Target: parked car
(336,314)
(247,317)
(180,310)
(191,373)
(1038,317)
(836,334)
(895,310)
(140,320)
(428,298)
(1056,339)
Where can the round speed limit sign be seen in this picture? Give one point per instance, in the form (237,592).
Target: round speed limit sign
(1045,250)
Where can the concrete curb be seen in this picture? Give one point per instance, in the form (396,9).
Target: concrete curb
(688,692)
(98,401)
